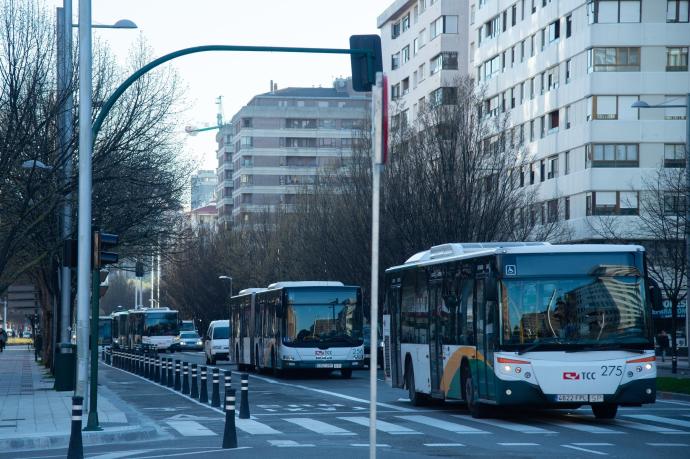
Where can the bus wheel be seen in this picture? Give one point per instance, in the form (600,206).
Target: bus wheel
(346,373)
(477,410)
(416,398)
(605,410)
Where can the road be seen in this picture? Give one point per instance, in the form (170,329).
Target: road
(315,414)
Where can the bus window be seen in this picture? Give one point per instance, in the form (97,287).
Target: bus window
(468,311)
(449,318)
(408,319)
(422,308)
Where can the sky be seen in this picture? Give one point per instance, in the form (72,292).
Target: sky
(169,25)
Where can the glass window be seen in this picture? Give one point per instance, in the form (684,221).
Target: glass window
(612,155)
(677,59)
(674,155)
(677,11)
(674,204)
(614,59)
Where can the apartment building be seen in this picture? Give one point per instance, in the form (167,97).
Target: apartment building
(224,202)
(281,141)
(424,47)
(203,189)
(567,72)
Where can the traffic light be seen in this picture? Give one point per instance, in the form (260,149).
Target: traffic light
(139,269)
(363,74)
(103,241)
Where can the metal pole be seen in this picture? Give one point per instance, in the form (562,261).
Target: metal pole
(153,279)
(84,224)
(377,114)
(158,279)
(92,422)
(64,81)
(687,223)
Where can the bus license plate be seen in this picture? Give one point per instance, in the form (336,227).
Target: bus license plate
(324,365)
(596,398)
(337,365)
(572,398)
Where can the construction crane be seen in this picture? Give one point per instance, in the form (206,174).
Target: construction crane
(219,120)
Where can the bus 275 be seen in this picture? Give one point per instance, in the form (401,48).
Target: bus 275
(534,324)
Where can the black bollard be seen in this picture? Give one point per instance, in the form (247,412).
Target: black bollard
(244,397)
(178,385)
(203,390)
(195,387)
(103,354)
(147,369)
(215,393)
(185,378)
(76,448)
(230,433)
(164,372)
(157,375)
(227,381)
(171,378)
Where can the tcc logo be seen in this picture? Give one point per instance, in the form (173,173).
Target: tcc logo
(574,376)
(571,375)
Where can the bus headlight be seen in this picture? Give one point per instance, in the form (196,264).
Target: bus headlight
(507,368)
(648,366)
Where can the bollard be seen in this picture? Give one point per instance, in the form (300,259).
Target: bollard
(215,393)
(178,386)
(230,434)
(152,368)
(203,390)
(185,378)
(227,381)
(244,397)
(195,387)
(76,448)
(171,382)
(147,370)
(103,354)
(164,372)
(157,373)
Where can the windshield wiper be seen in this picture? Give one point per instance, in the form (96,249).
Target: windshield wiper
(536,345)
(608,347)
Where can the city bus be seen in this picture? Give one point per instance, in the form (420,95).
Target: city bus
(298,325)
(120,334)
(534,324)
(152,326)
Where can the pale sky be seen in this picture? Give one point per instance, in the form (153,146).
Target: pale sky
(169,25)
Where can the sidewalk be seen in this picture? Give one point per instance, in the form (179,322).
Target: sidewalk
(33,415)
(664,368)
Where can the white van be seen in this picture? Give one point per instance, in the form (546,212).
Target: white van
(216,341)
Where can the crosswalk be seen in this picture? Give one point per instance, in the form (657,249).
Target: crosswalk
(462,426)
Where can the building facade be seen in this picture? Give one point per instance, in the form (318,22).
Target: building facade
(224,201)
(203,188)
(282,140)
(566,73)
(424,48)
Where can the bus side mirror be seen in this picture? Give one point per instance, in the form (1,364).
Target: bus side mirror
(490,288)
(655,294)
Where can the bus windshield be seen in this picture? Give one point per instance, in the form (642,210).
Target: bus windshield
(590,311)
(313,325)
(161,324)
(105,335)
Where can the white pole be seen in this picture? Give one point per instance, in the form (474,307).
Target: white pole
(158,287)
(84,225)
(153,280)
(377,159)
(687,224)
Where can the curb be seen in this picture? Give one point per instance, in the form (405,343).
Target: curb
(42,441)
(672,396)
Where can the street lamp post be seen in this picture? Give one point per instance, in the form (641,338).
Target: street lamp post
(227,278)
(686,106)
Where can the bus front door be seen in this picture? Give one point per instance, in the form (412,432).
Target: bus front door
(435,342)
(486,315)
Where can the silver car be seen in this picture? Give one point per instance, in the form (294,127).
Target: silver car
(187,341)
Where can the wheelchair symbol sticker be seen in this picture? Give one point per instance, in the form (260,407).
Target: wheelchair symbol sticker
(511,270)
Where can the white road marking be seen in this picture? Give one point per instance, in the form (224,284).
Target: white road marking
(191,429)
(673,402)
(585,450)
(593,444)
(679,445)
(443,444)
(383,426)
(519,444)
(288,444)
(583,427)
(653,418)
(119,454)
(403,399)
(366,445)
(319,427)
(443,425)
(517,427)
(648,427)
(254,427)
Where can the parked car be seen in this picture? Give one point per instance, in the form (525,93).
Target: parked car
(367,347)
(26,334)
(187,341)
(216,341)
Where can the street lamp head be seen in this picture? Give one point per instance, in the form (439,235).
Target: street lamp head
(36,164)
(640,104)
(124,24)
(225,277)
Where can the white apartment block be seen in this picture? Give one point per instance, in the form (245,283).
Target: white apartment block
(224,202)
(281,141)
(566,72)
(424,48)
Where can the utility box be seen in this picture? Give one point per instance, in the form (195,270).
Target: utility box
(65,367)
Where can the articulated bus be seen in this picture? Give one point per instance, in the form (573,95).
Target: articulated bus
(120,333)
(151,326)
(499,324)
(298,325)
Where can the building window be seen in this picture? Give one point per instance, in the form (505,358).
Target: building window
(542,36)
(677,11)
(522,51)
(554,31)
(443,61)
(567,116)
(674,113)
(513,15)
(676,59)
(674,204)
(553,167)
(612,108)
(491,27)
(395,61)
(568,25)
(504,22)
(405,86)
(567,163)
(552,211)
(674,155)
(300,123)
(395,91)
(513,90)
(534,6)
(542,127)
(566,207)
(422,70)
(612,155)
(444,24)
(532,45)
(531,132)
(531,174)
(553,121)
(613,59)
(443,96)
(551,78)
(415,46)
(491,67)
(614,11)
(405,23)
(395,30)
(568,69)
(405,54)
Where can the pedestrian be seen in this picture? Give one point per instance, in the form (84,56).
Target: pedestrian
(3,339)
(662,340)
(38,345)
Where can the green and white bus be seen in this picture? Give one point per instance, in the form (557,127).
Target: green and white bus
(535,324)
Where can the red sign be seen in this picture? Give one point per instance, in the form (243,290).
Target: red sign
(571,375)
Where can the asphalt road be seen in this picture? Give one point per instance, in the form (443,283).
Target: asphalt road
(319,415)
